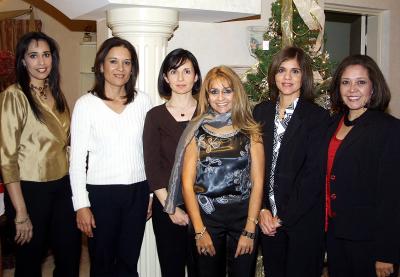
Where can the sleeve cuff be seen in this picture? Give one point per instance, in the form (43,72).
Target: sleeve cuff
(10,174)
(81,201)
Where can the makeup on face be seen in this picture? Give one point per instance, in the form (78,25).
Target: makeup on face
(220,96)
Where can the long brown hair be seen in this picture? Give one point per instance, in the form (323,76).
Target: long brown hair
(241,111)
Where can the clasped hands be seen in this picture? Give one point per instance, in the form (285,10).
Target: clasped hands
(268,223)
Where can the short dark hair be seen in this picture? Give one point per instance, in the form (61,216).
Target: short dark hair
(172,61)
(53,80)
(107,45)
(289,53)
(380,97)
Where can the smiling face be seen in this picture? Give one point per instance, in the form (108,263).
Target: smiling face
(220,96)
(38,61)
(355,87)
(117,67)
(181,79)
(288,78)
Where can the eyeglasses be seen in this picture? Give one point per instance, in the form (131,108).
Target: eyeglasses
(215,91)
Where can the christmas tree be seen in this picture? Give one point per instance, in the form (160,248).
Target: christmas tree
(287,27)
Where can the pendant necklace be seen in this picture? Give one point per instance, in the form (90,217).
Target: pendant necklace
(41,90)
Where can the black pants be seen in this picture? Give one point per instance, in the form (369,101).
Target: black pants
(50,209)
(225,225)
(120,215)
(172,243)
(347,258)
(297,251)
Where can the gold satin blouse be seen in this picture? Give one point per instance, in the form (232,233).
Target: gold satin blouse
(31,150)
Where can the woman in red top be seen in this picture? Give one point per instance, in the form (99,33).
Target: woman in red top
(362,156)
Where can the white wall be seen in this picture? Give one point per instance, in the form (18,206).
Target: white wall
(215,44)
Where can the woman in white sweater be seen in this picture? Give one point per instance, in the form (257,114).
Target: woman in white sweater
(110,192)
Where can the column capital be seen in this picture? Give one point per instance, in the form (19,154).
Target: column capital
(158,22)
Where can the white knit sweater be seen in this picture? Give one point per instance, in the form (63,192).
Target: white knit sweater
(113,142)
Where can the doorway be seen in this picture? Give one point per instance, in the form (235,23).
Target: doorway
(357,30)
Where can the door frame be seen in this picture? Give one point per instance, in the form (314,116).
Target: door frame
(383,21)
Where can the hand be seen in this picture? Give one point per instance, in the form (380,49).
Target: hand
(179,217)
(85,221)
(245,246)
(383,269)
(23,228)
(150,208)
(205,245)
(268,223)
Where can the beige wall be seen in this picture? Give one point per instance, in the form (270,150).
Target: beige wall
(69,47)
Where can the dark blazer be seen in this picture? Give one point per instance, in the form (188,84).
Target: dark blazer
(365,183)
(296,189)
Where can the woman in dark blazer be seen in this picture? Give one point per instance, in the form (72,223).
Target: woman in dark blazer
(361,161)
(292,218)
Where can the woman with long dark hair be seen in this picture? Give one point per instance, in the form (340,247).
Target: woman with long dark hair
(110,191)
(34,136)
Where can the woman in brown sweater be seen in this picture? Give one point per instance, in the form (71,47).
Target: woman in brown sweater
(178,81)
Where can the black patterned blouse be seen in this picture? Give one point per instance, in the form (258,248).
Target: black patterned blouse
(223,169)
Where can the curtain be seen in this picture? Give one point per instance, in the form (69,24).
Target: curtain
(12,29)
(10,32)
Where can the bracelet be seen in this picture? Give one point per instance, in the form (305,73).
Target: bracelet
(22,221)
(200,235)
(248,234)
(253,220)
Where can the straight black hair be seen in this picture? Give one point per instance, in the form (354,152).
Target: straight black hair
(174,60)
(53,80)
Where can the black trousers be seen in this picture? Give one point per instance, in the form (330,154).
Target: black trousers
(225,225)
(120,215)
(172,243)
(295,252)
(52,215)
(347,258)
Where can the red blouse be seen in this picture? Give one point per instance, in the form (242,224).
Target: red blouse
(332,149)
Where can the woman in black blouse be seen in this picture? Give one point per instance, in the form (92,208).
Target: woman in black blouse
(222,164)
(361,160)
(178,81)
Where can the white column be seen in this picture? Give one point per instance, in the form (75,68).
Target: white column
(148,29)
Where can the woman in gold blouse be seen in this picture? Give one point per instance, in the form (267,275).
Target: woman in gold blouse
(34,135)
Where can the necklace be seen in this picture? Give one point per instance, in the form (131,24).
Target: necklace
(41,90)
(347,122)
(182,111)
